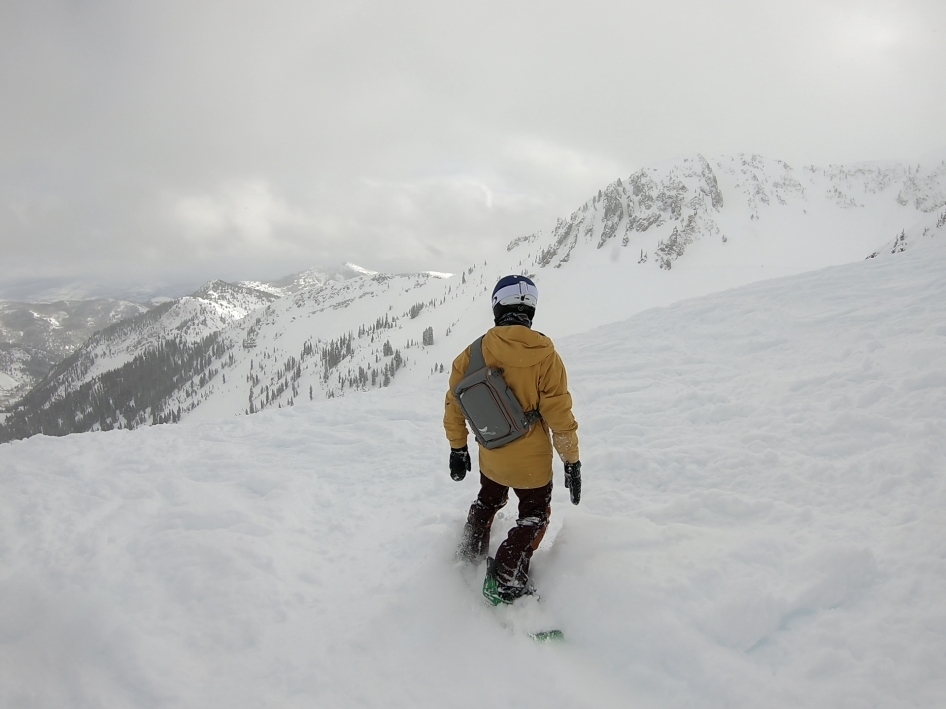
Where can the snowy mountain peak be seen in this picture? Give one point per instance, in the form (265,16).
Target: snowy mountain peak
(684,194)
(358,269)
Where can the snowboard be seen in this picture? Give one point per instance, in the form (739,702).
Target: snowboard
(526,616)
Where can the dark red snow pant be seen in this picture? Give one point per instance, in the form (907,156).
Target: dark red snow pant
(515,553)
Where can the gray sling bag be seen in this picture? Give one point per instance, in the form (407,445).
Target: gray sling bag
(489,405)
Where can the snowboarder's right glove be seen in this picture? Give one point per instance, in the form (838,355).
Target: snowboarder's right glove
(460,463)
(573,481)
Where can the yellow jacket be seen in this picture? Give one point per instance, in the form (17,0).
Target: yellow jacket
(536,375)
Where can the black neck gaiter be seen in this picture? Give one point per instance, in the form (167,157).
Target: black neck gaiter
(514,319)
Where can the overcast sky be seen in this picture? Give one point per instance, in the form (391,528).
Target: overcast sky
(181,141)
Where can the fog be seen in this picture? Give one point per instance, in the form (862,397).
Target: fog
(156,146)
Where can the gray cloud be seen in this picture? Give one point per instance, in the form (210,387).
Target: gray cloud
(181,141)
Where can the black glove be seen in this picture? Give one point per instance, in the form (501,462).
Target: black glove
(573,481)
(460,463)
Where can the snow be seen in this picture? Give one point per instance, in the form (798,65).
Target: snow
(264,287)
(7,382)
(761,526)
(53,322)
(358,269)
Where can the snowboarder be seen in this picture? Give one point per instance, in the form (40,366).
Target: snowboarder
(536,375)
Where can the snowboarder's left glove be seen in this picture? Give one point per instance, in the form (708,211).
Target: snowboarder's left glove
(460,463)
(573,481)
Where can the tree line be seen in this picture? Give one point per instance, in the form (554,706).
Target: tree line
(134,394)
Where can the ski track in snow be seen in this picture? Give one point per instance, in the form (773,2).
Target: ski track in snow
(761,526)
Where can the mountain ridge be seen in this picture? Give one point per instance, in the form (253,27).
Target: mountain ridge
(681,229)
(36,336)
(686,195)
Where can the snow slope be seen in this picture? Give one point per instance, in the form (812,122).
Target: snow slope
(761,526)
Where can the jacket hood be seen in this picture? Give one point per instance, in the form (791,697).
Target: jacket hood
(517,345)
